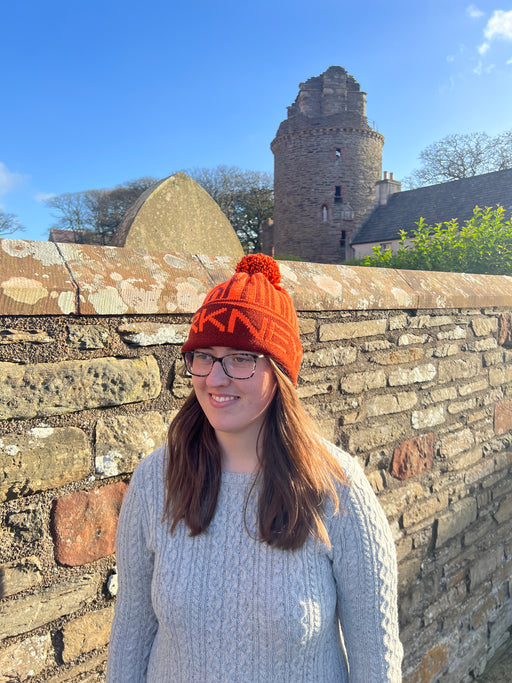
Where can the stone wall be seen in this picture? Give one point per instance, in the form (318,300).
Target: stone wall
(409,371)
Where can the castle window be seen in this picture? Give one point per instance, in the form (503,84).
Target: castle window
(343,237)
(338,152)
(325,213)
(338,199)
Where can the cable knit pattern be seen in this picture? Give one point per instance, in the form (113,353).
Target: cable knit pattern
(224,608)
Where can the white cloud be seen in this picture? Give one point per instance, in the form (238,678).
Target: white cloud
(474,12)
(499,25)
(482,49)
(9,180)
(481,69)
(450,58)
(509,61)
(44,196)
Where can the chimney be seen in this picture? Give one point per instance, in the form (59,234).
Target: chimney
(386,187)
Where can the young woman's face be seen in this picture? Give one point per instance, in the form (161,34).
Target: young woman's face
(235,406)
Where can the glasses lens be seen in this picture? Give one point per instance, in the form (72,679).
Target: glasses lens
(239,365)
(198,363)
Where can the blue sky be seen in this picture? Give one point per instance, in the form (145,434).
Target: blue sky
(101,92)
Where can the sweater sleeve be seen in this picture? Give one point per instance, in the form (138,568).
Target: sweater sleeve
(135,624)
(365,571)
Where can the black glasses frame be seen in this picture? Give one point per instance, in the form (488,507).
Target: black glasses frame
(219,359)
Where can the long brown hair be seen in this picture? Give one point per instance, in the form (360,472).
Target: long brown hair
(298,472)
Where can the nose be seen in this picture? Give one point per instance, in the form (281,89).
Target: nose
(217,375)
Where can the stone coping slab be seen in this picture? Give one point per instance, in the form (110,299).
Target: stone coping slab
(42,278)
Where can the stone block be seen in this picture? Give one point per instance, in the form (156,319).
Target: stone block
(30,612)
(330,357)
(503,417)
(91,670)
(398,322)
(352,330)
(456,520)
(499,376)
(27,524)
(390,403)
(25,659)
(504,512)
(505,329)
(425,509)
(445,350)
(307,325)
(430,417)
(18,575)
(438,395)
(122,442)
(84,524)
(43,389)
(455,443)
(30,336)
(89,632)
(483,327)
(473,387)
(485,565)
(484,468)
(153,334)
(413,456)
(421,373)
(450,335)
(397,356)
(88,336)
(41,459)
(492,358)
(375,345)
(181,384)
(357,382)
(407,339)
(432,665)
(458,368)
(371,437)
(462,406)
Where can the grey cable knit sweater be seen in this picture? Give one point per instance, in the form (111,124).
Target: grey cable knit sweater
(224,608)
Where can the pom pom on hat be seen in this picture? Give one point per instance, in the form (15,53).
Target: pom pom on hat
(260,263)
(250,312)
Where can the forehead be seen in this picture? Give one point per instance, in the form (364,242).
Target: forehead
(221,350)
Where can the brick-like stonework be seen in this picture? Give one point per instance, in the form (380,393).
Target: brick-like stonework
(409,371)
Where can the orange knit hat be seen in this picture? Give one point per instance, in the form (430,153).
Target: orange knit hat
(250,312)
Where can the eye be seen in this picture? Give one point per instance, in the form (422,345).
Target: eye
(202,357)
(241,359)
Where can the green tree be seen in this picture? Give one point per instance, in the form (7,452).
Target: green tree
(245,197)
(94,215)
(482,245)
(462,156)
(9,224)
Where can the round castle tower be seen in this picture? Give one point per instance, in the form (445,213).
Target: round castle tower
(327,159)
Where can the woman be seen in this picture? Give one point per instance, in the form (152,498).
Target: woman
(249,549)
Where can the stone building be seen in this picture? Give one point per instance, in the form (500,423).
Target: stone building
(327,160)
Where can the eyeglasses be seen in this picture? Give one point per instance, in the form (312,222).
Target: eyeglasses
(235,365)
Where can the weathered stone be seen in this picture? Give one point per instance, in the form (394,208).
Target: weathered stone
(390,403)
(457,333)
(29,612)
(314,389)
(503,417)
(182,383)
(455,443)
(472,387)
(397,356)
(365,328)
(23,660)
(27,524)
(88,336)
(357,382)
(92,670)
(421,373)
(84,524)
(461,514)
(485,565)
(466,459)
(369,438)
(505,329)
(461,406)
(492,358)
(153,334)
(481,345)
(459,368)
(330,357)
(307,325)
(43,458)
(499,376)
(18,575)
(398,322)
(413,456)
(437,395)
(376,345)
(480,471)
(446,350)
(420,321)
(10,336)
(504,512)
(408,339)
(90,632)
(178,215)
(423,510)
(428,418)
(122,442)
(396,501)
(57,388)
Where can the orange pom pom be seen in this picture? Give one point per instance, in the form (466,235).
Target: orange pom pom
(260,263)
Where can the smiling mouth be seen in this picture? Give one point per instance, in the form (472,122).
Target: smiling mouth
(222,399)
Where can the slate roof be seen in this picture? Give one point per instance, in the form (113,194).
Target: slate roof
(436,204)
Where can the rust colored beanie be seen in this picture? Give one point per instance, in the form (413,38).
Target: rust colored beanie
(250,312)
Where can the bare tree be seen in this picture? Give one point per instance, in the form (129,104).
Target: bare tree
(9,224)
(462,156)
